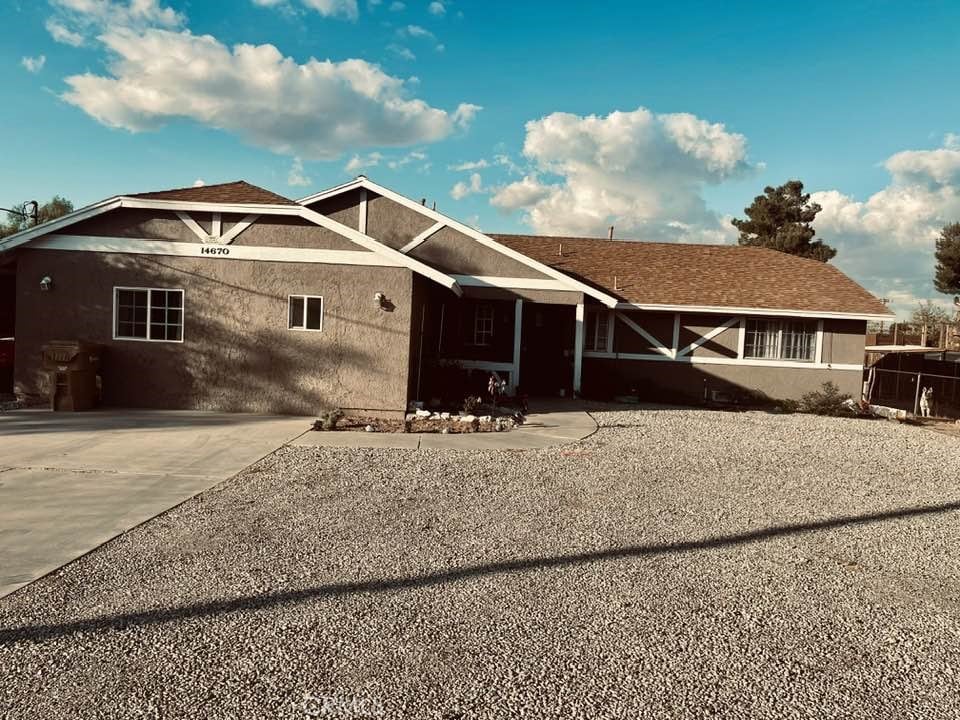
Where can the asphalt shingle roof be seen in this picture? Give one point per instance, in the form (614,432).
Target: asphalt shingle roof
(703,275)
(233,192)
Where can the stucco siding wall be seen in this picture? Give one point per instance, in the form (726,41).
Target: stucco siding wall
(453,252)
(668,381)
(136,223)
(344,208)
(393,224)
(237,354)
(695,327)
(627,340)
(293,232)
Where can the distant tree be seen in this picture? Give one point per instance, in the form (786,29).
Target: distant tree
(926,313)
(51,210)
(947,276)
(780,220)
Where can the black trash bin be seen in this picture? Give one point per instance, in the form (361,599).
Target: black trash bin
(73,366)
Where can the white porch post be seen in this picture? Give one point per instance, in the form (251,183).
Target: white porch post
(517,333)
(578,350)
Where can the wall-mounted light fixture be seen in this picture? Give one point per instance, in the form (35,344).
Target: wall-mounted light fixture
(46,282)
(380,300)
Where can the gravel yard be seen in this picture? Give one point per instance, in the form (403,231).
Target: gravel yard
(678,563)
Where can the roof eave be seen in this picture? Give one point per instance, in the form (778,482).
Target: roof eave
(779,312)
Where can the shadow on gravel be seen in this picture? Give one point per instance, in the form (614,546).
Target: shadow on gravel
(40,633)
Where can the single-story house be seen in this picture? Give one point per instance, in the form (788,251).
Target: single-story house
(230,297)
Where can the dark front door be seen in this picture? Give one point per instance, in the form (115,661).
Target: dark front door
(546,349)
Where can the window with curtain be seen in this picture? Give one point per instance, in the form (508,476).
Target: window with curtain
(781,340)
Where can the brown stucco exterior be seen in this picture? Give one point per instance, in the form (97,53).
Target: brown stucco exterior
(664,381)
(344,208)
(237,353)
(135,223)
(453,252)
(392,223)
(293,232)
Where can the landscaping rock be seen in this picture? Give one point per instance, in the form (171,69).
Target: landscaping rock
(423,413)
(675,564)
(468,418)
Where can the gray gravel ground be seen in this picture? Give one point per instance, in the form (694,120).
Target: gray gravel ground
(679,563)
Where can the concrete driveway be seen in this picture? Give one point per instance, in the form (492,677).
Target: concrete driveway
(71,481)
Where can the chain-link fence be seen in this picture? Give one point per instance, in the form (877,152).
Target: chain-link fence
(905,390)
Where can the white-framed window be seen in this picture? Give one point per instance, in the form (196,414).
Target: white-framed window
(597,329)
(151,314)
(305,312)
(483,324)
(781,340)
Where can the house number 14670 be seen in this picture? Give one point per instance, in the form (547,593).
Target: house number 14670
(214,251)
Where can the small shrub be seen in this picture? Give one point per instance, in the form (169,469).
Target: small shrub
(328,420)
(826,401)
(471,404)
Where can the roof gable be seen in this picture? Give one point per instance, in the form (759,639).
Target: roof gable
(443,220)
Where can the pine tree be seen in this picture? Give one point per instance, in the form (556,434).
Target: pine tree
(780,219)
(947,276)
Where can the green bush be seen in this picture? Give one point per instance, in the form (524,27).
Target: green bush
(826,401)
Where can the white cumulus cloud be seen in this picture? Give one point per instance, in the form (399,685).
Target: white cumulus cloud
(315,110)
(62,34)
(641,171)
(328,8)
(437,8)
(297,177)
(74,22)
(887,241)
(34,64)
(462,189)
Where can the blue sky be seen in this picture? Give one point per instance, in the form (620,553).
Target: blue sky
(660,118)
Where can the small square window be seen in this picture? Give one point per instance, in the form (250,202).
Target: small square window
(305,312)
(148,314)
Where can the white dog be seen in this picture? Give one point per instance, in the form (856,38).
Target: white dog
(926,401)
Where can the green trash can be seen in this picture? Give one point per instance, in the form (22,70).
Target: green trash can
(73,366)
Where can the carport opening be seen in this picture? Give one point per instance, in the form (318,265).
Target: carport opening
(8,314)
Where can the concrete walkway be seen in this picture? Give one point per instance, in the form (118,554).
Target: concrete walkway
(549,423)
(71,481)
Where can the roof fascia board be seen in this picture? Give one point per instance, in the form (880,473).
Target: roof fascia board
(306,213)
(84,213)
(438,217)
(186,206)
(330,192)
(719,309)
(376,246)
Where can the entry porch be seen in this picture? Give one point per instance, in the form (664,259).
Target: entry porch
(533,341)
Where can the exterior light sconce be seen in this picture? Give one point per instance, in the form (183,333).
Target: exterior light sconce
(46,282)
(381,302)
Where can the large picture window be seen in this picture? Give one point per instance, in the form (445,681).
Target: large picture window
(781,340)
(148,314)
(597,328)
(483,324)
(305,312)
